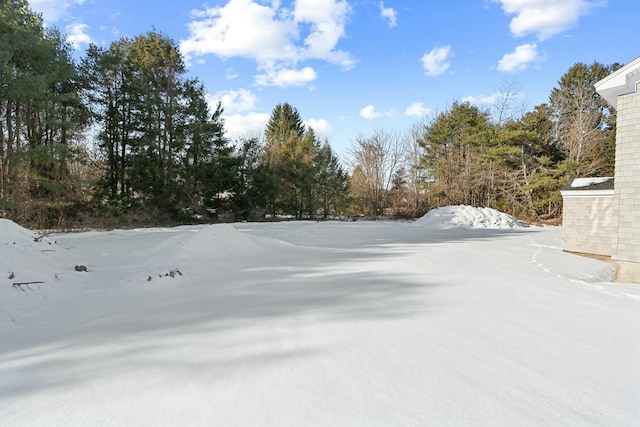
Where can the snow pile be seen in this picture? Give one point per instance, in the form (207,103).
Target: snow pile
(467,217)
(12,233)
(24,254)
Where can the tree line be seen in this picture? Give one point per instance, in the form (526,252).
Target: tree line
(124,134)
(507,159)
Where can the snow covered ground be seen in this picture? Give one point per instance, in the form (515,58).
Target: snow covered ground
(439,322)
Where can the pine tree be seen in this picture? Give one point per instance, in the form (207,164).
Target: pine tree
(284,157)
(284,123)
(41,117)
(162,147)
(453,143)
(332,182)
(253,187)
(110,91)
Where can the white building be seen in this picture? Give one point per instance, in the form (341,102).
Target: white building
(587,219)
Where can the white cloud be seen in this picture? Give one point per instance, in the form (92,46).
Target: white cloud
(483,99)
(286,77)
(233,101)
(241,28)
(417,109)
(369,112)
(243,125)
(520,58)
(270,34)
(77,36)
(53,10)
(328,19)
(544,18)
(436,62)
(496,98)
(321,127)
(389,14)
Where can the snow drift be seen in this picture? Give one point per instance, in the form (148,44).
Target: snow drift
(25,255)
(467,217)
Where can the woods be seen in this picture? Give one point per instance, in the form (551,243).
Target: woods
(125,135)
(519,165)
(467,155)
(159,147)
(41,120)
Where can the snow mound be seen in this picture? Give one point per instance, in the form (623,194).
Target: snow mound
(16,237)
(468,217)
(12,233)
(25,254)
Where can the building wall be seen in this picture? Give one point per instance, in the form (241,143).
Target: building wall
(587,223)
(626,221)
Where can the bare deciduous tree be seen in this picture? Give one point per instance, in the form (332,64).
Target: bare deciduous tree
(377,158)
(414,168)
(582,116)
(507,108)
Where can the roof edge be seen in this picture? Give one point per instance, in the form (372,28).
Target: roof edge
(567,194)
(621,82)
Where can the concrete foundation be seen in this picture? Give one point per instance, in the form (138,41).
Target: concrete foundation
(626,271)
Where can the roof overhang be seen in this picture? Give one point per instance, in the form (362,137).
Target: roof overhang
(621,82)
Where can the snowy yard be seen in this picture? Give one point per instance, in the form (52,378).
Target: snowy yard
(440,322)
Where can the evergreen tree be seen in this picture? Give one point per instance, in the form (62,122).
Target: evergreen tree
(332,182)
(41,117)
(254,187)
(453,143)
(161,146)
(285,122)
(285,156)
(158,70)
(208,176)
(111,95)
(305,178)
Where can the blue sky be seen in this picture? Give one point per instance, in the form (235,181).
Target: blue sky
(354,67)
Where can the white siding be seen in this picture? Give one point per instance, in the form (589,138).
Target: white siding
(626,221)
(587,222)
